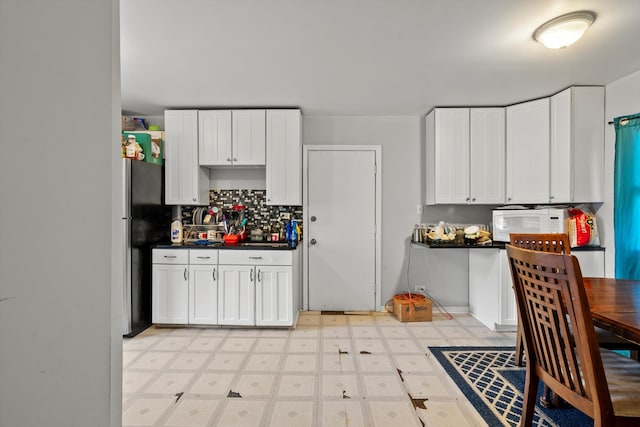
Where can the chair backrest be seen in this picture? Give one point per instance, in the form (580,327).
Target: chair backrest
(559,335)
(550,242)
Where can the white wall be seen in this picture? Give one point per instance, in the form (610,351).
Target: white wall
(400,139)
(58,94)
(622,98)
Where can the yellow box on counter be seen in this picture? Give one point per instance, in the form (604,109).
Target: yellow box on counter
(417,308)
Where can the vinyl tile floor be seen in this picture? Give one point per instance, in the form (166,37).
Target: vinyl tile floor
(330,371)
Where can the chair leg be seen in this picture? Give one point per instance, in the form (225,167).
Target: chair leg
(519,346)
(549,399)
(530,392)
(546,400)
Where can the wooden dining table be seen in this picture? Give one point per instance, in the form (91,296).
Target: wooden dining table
(615,305)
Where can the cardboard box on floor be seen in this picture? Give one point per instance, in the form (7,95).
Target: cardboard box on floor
(414,311)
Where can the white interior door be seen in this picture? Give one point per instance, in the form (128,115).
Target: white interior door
(340,234)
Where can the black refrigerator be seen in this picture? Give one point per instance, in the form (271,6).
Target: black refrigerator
(146,221)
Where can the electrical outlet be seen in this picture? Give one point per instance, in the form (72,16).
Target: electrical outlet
(285,215)
(421,289)
(419,209)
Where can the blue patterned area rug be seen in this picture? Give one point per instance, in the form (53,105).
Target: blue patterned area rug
(493,384)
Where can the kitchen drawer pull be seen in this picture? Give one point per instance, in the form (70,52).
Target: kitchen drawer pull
(204,257)
(170,256)
(251,276)
(185,274)
(255,257)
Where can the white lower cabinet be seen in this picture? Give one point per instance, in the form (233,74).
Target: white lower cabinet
(257,288)
(226,287)
(491,298)
(170,287)
(591,263)
(236,295)
(184,286)
(274,296)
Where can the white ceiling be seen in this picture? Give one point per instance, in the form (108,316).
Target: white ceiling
(363,57)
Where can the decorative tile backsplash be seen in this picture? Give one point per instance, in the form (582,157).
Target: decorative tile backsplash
(258,213)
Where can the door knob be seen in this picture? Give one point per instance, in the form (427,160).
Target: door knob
(312,241)
(313,218)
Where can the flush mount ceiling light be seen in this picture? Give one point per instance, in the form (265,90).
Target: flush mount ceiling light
(564,30)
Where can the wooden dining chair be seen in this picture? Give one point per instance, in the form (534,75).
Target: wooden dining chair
(561,346)
(559,243)
(550,242)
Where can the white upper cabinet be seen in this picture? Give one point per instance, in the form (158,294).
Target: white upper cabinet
(214,137)
(186,183)
(284,157)
(528,152)
(577,145)
(487,155)
(465,156)
(248,141)
(232,137)
(447,156)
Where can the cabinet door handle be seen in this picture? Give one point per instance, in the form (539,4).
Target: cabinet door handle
(170,256)
(214,274)
(508,199)
(235,160)
(467,199)
(251,276)
(255,257)
(185,274)
(473,200)
(259,275)
(228,159)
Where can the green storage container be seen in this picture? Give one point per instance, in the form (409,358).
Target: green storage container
(152,145)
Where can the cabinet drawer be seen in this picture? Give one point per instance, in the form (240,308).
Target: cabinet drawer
(170,256)
(249,257)
(203,256)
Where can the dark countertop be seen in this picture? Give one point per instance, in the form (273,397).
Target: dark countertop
(494,245)
(269,246)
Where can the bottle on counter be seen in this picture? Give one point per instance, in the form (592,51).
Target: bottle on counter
(293,235)
(417,234)
(287,232)
(176,231)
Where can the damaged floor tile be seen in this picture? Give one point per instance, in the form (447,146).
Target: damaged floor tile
(333,370)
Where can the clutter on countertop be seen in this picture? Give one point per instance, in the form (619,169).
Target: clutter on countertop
(452,234)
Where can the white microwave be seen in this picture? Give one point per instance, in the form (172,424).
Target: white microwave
(506,221)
